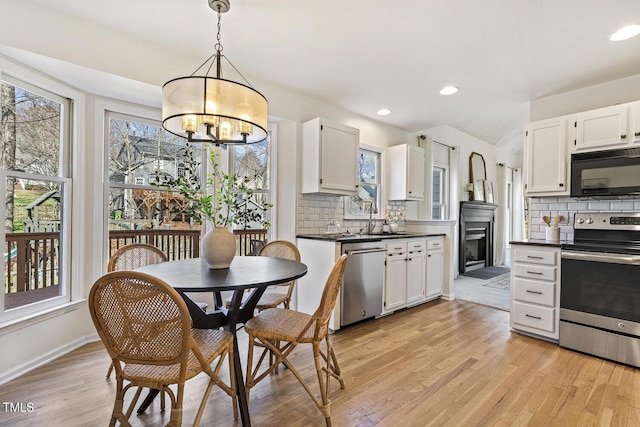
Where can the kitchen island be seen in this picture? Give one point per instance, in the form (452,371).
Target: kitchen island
(411,274)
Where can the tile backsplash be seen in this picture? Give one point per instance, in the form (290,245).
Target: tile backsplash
(316,211)
(567,207)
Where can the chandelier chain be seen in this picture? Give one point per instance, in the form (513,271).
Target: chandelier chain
(218,45)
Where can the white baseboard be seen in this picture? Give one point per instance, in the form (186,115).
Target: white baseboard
(46,358)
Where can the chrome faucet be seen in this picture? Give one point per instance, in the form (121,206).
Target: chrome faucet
(372,223)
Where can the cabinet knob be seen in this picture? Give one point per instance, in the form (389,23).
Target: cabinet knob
(623,136)
(561,185)
(637,134)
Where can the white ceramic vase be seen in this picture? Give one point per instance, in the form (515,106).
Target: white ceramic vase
(218,247)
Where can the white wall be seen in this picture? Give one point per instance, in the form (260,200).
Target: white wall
(588,98)
(466,144)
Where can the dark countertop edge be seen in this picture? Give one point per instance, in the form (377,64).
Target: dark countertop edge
(367,238)
(539,242)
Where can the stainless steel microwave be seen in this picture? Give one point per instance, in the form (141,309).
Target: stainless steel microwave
(606,173)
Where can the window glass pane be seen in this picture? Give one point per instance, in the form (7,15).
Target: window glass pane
(368,166)
(31,128)
(437,185)
(140,154)
(33,241)
(138,151)
(253,161)
(369,187)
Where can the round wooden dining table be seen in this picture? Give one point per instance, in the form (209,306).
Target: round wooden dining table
(253,273)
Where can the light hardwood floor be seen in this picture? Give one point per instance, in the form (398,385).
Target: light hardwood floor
(443,363)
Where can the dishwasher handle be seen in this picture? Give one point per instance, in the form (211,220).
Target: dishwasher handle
(365,251)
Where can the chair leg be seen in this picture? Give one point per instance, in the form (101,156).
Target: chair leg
(110,370)
(232,376)
(176,408)
(325,407)
(118,406)
(249,377)
(334,367)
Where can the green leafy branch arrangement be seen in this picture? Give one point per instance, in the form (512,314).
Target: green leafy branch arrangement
(224,200)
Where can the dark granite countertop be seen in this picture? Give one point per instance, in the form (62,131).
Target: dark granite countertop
(540,242)
(344,237)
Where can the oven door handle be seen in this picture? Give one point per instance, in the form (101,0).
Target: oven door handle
(602,257)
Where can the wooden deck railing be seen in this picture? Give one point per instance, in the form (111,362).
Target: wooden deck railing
(250,240)
(32,259)
(176,244)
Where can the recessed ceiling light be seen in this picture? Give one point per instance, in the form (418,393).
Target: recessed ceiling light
(625,33)
(448,90)
(384,112)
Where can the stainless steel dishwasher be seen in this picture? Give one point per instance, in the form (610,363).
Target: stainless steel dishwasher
(361,291)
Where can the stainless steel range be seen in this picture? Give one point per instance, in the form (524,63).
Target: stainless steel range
(600,287)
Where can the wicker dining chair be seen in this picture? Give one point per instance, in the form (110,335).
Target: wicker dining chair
(135,255)
(272,298)
(280,331)
(146,328)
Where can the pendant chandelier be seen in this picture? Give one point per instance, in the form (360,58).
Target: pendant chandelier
(201,108)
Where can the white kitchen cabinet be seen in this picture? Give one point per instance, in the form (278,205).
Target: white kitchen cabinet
(395,276)
(603,128)
(329,158)
(546,161)
(435,267)
(405,166)
(416,271)
(535,290)
(405,274)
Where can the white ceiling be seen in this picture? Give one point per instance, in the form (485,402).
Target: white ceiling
(363,55)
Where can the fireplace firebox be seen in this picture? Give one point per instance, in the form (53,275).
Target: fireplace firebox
(476,235)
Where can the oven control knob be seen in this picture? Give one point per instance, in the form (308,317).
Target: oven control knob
(589,220)
(580,220)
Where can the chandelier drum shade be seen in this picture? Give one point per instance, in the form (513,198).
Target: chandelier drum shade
(203,108)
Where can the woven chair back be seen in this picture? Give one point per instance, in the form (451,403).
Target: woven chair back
(140,319)
(329,297)
(284,250)
(134,256)
(281,249)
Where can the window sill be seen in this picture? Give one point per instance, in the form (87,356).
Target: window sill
(27,321)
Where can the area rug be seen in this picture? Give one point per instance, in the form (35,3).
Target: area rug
(500,282)
(487,272)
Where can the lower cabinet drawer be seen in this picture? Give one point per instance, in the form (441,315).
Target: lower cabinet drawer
(537,272)
(534,316)
(533,291)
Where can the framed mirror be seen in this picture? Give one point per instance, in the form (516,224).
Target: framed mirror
(478,175)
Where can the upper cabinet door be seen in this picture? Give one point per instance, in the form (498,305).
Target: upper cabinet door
(405,166)
(339,153)
(602,128)
(546,159)
(329,158)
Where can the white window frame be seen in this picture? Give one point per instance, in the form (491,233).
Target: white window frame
(67,293)
(444,191)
